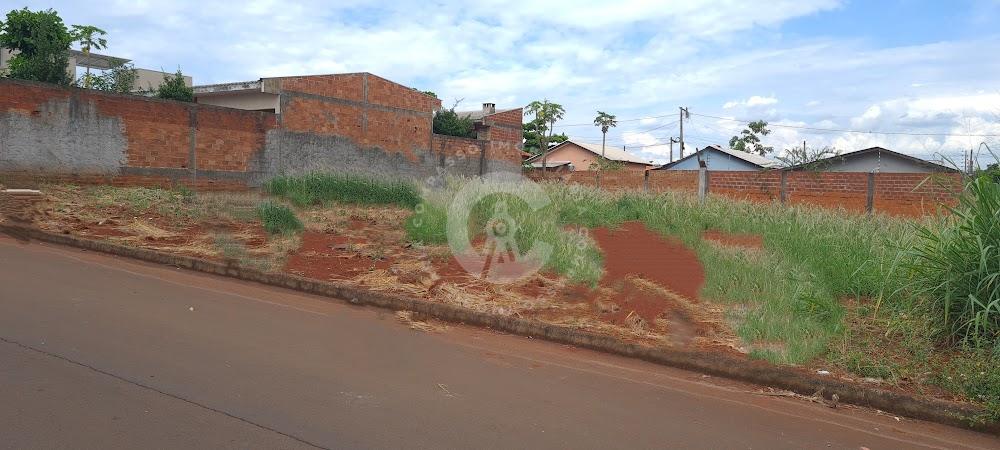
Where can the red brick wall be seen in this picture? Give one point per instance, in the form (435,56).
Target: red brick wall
(847,190)
(457,147)
(915,194)
(898,194)
(367,109)
(348,86)
(227,139)
(743,185)
(676,180)
(158,133)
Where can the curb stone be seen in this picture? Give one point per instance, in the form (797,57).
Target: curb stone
(727,366)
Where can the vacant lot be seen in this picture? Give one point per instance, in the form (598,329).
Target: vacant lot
(814,288)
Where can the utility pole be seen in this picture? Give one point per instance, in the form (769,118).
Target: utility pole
(684,113)
(672,141)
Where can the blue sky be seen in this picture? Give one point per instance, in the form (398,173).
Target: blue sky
(929,68)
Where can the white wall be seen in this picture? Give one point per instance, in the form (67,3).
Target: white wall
(249,100)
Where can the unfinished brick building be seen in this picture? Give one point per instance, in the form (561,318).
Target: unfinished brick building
(239,134)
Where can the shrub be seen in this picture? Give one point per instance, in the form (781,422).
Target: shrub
(955,268)
(318,188)
(278,219)
(174,88)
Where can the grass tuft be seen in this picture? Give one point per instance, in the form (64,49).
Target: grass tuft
(278,219)
(322,188)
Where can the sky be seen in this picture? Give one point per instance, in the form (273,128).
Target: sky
(919,77)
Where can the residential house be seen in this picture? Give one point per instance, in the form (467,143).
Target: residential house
(580,155)
(715,157)
(259,95)
(875,160)
(146,80)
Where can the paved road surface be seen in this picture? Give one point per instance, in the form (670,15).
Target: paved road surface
(101,352)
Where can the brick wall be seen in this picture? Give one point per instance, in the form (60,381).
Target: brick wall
(354,123)
(758,186)
(913,194)
(90,135)
(898,194)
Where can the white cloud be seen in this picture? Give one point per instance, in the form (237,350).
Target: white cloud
(635,58)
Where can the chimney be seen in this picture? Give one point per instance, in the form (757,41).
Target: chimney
(489,108)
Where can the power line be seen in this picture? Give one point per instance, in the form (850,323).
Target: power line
(837,130)
(619,121)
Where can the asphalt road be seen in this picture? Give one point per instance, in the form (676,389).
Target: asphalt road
(102,352)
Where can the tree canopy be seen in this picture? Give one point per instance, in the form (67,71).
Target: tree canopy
(449,123)
(532,130)
(749,139)
(174,88)
(41,44)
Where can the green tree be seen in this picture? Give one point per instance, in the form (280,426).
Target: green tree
(806,155)
(430,93)
(546,113)
(174,88)
(749,139)
(119,79)
(41,44)
(449,123)
(89,37)
(605,121)
(532,132)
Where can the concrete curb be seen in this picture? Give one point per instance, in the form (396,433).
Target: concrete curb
(757,372)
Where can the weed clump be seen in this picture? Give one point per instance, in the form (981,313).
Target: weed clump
(321,188)
(278,219)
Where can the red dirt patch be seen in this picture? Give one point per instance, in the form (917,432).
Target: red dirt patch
(324,256)
(750,241)
(634,250)
(632,254)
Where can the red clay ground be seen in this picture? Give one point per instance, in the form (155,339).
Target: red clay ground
(748,241)
(649,293)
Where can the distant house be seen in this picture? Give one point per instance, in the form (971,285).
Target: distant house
(875,160)
(258,95)
(718,158)
(146,80)
(582,155)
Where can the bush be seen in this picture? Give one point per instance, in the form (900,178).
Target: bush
(955,268)
(317,188)
(447,122)
(278,219)
(174,88)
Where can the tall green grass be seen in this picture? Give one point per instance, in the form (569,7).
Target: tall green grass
(321,188)
(278,219)
(954,268)
(785,300)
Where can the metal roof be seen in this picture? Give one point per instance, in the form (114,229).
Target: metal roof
(880,150)
(610,152)
(757,160)
(96,61)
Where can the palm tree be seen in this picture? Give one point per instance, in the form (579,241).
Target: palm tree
(546,113)
(89,38)
(605,121)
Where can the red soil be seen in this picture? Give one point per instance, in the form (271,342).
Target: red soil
(320,258)
(633,250)
(751,241)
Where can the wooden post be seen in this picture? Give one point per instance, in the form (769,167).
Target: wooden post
(645,180)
